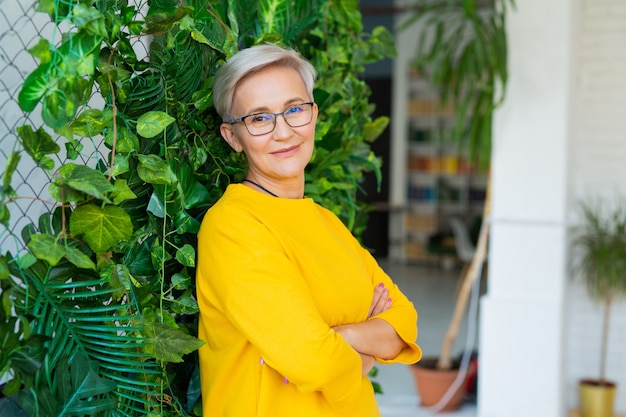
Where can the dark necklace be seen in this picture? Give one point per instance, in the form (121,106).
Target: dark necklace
(260,186)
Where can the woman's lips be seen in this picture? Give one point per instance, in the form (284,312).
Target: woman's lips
(286,152)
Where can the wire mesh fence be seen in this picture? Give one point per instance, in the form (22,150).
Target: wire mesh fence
(21,27)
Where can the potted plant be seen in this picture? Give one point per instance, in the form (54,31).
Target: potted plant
(103,285)
(601,263)
(462,50)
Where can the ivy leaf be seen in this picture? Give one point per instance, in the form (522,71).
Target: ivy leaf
(375,128)
(120,165)
(58,106)
(5,214)
(152,123)
(73,149)
(184,223)
(159,257)
(11,166)
(186,255)
(156,206)
(118,275)
(180,281)
(154,170)
(79,53)
(84,179)
(162,22)
(33,88)
(4,268)
(185,304)
(65,194)
(169,344)
(79,258)
(90,123)
(124,140)
(90,19)
(102,227)
(41,51)
(46,247)
(122,192)
(38,144)
(46,6)
(198,157)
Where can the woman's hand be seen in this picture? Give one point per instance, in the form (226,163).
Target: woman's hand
(374,337)
(380,301)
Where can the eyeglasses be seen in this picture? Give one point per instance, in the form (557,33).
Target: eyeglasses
(263,123)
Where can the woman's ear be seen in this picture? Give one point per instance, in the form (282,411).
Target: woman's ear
(226,129)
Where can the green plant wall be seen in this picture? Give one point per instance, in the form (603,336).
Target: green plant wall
(99,313)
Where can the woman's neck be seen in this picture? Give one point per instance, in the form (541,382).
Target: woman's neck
(274,191)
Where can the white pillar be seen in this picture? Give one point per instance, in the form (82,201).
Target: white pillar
(522,316)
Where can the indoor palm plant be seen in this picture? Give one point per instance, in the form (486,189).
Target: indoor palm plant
(600,261)
(99,315)
(462,51)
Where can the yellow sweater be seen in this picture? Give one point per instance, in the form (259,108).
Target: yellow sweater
(274,275)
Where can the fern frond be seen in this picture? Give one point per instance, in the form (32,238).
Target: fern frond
(106,330)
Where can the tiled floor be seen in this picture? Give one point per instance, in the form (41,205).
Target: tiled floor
(433,291)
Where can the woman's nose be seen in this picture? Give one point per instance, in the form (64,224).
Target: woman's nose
(282,128)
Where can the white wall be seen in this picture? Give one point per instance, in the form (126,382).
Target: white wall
(597,163)
(522,315)
(560,137)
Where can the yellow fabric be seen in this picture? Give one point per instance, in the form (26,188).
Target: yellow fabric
(274,275)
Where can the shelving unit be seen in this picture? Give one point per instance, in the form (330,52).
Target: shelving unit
(439,183)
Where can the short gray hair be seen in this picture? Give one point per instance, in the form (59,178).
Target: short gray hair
(251,60)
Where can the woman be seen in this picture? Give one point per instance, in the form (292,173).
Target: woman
(293,310)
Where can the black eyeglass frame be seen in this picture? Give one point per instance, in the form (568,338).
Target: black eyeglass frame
(282,113)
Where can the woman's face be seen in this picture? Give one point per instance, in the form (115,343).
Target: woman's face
(278,157)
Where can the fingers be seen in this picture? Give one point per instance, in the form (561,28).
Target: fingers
(380,301)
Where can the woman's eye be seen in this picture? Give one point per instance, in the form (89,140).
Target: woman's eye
(261,118)
(294,109)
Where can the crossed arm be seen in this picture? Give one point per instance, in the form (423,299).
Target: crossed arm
(373,338)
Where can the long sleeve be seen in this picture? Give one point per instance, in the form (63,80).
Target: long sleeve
(274,277)
(401,315)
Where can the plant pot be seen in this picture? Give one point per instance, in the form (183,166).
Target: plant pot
(596,399)
(432,384)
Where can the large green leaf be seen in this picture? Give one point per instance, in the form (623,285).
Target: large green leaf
(79,258)
(84,179)
(101,228)
(47,248)
(153,123)
(170,344)
(33,89)
(155,170)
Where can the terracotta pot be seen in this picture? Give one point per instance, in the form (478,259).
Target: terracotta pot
(433,384)
(596,399)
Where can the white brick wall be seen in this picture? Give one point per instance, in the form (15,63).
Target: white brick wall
(597,167)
